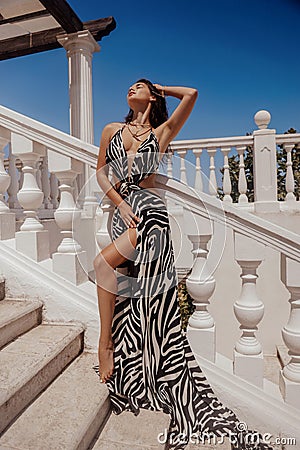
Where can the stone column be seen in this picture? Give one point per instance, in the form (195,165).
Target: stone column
(80,47)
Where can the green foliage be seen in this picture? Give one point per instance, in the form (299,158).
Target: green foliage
(185,303)
(233,162)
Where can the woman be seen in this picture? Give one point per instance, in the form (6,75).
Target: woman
(144,356)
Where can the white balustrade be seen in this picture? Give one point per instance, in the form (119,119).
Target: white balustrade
(226,176)
(289,380)
(201,285)
(249,311)
(32,239)
(242,185)
(7,218)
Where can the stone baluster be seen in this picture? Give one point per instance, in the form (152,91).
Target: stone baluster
(21,176)
(103,219)
(103,226)
(46,184)
(264,165)
(289,180)
(70,261)
(32,239)
(226,177)
(14,183)
(81,193)
(39,174)
(4,177)
(200,285)
(54,192)
(212,172)
(90,205)
(39,180)
(75,189)
(242,185)
(198,174)
(182,154)
(289,378)
(7,218)
(170,165)
(249,311)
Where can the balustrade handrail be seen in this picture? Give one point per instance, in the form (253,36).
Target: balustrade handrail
(288,138)
(233,141)
(242,222)
(50,137)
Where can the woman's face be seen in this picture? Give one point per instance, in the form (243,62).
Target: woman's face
(139,93)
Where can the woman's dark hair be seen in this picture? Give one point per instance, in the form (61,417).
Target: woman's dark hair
(158,113)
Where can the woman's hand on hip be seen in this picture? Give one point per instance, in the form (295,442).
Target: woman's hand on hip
(127,214)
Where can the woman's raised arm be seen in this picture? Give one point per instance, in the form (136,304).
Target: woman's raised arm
(173,125)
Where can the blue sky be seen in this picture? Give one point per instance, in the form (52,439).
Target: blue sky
(241,55)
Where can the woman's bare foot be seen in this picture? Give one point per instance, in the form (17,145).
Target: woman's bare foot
(106,360)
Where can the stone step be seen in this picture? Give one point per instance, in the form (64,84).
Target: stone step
(31,362)
(147,431)
(18,317)
(67,415)
(126,431)
(272,368)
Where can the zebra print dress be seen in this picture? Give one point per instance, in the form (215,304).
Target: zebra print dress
(154,366)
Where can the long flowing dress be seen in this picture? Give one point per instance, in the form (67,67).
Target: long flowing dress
(154,366)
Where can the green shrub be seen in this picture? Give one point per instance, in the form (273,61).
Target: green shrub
(185,303)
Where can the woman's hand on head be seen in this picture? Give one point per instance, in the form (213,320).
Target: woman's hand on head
(159,87)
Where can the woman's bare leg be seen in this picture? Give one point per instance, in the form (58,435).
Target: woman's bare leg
(104,264)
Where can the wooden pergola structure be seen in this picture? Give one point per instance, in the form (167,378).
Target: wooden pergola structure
(31,26)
